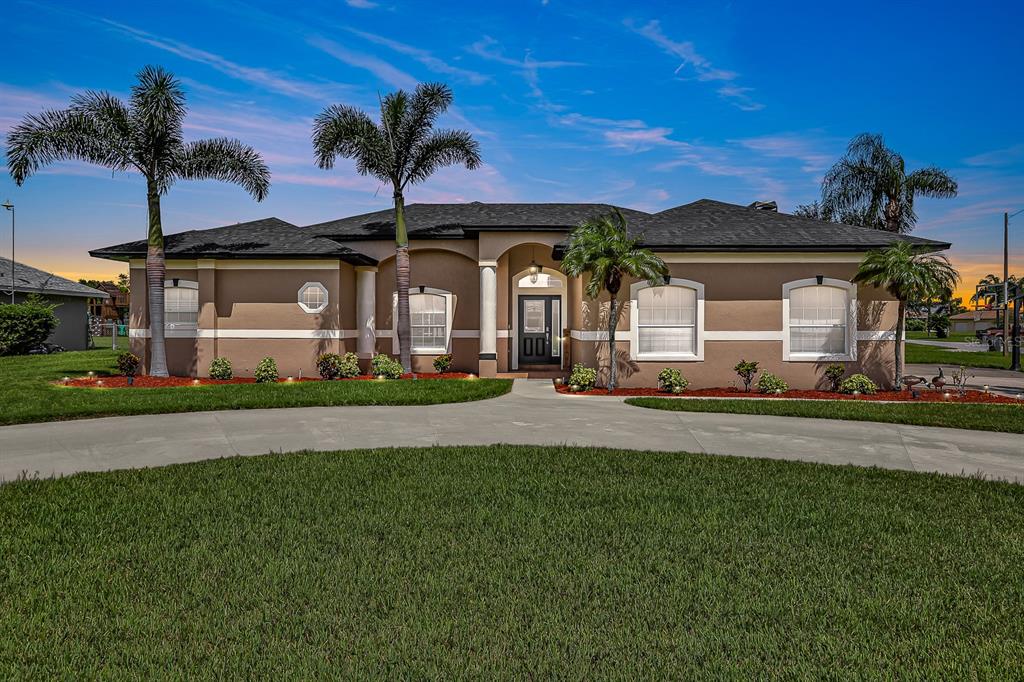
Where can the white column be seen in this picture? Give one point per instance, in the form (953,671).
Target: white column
(488,310)
(366,311)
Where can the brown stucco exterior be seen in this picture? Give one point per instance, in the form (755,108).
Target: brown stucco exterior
(249,310)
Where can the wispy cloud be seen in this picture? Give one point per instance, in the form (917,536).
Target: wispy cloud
(691,61)
(529,68)
(998,157)
(575,119)
(260,77)
(361,4)
(428,59)
(791,146)
(386,72)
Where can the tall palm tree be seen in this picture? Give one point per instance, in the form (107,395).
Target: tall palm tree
(871,181)
(602,248)
(908,274)
(402,150)
(143,135)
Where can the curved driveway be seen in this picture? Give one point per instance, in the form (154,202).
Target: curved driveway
(531,414)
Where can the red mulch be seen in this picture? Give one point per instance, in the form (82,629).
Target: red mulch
(170,382)
(926,395)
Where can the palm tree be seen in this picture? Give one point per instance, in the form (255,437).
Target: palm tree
(908,274)
(402,150)
(871,181)
(602,248)
(143,135)
(990,295)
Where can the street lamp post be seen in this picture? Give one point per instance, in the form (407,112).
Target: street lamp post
(10,207)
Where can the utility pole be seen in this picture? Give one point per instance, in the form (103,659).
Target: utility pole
(1006,278)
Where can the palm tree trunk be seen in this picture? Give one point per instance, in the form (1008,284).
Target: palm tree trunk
(402,269)
(156,271)
(892,217)
(899,343)
(612,319)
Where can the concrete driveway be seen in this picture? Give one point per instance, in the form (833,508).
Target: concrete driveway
(531,414)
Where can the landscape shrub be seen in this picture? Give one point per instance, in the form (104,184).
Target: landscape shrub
(583,376)
(220,368)
(266,371)
(858,382)
(349,366)
(329,366)
(770,383)
(670,379)
(915,324)
(443,363)
(835,373)
(746,371)
(23,326)
(128,364)
(385,366)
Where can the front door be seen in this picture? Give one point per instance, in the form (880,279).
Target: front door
(537,329)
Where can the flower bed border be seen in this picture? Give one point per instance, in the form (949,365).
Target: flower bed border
(146,382)
(925,396)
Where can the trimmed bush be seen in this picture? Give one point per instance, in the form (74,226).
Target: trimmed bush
(24,326)
(266,371)
(220,368)
(835,373)
(583,376)
(858,382)
(746,371)
(915,324)
(672,380)
(770,383)
(348,367)
(443,363)
(128,364)
(385,366)
(329,366)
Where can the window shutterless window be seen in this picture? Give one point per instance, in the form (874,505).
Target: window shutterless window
(818,320)
(428,318)
(181,304)
(313,297)
(666,322)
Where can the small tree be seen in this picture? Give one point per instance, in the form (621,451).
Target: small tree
(746,370)
(908,274)
(602,248)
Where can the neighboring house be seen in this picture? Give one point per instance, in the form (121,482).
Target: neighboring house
(113,308)
(73,312)
(973,321)
(744,283)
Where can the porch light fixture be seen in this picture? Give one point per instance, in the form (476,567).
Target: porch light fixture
(535,269)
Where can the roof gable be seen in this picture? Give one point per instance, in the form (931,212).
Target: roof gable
(28,279)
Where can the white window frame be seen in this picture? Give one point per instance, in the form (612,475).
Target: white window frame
(634,323)
(310,285)
(449,314)
(851,320)
(178,283)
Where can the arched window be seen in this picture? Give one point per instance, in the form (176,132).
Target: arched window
(313,297)
(667,321)
(430,316)
(819,319)
(181,304)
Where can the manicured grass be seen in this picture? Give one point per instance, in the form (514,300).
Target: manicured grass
(933,355)
(27,396)
(961,338)
(1006,418)
(511,562)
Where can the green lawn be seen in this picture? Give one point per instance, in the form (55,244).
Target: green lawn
(933,355)
(511,562)
(962,338)
(27,396)
(1006,418)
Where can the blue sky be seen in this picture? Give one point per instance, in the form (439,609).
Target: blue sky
(647,106)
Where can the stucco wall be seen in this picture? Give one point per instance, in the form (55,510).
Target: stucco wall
(72,313)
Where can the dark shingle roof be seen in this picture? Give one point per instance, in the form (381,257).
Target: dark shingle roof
(708,225)
(453,221)
(266,238)
(28,279)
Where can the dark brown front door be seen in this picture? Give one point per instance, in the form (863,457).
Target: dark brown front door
(535,332)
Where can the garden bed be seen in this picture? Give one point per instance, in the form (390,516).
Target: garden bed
(924,396)
(172,382)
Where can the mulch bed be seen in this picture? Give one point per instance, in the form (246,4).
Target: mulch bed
(925,395)
(172,382)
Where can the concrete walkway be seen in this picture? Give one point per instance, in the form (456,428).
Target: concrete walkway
(531,414)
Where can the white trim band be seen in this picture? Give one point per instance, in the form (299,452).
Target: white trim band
(249,333)
(876,336)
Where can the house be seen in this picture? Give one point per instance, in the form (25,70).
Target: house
(744,283)
(973,321)
(113,308)
(72,298)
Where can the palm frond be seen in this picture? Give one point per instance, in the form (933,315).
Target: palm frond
(345,131)
(226,160)
(602,248)
(932,182)
(157,113)
(440,149)
(425,106)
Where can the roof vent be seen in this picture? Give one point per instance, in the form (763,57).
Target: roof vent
(765,206)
